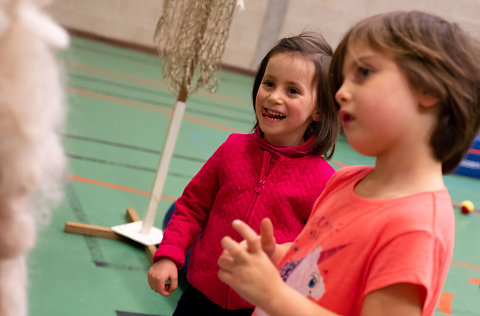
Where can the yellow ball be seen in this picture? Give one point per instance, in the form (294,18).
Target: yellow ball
(467,207)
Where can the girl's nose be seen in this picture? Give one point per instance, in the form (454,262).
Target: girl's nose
(343,95)
(274,97)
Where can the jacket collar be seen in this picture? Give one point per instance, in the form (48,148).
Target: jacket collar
(290,152)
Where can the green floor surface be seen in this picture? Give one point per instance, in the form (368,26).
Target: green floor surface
(118,115)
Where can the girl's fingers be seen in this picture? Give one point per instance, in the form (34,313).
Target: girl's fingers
(252,239)
(165,291)
(224,276)
(228,244)
(173,286)
(225,253)
(225,262)
(266,232)
(234,249)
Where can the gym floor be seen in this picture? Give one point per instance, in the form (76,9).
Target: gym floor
(119,111)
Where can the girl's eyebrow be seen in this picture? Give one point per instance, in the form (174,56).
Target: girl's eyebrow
(367,58)
(293,83)
(364,60)
(268,76)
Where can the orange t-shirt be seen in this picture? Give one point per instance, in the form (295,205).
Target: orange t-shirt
(352,246)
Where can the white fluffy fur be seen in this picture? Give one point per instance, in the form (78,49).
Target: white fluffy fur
(32,161)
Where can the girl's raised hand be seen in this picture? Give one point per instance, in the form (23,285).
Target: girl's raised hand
(247,268)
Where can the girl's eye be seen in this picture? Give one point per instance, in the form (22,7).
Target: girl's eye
(363,72)
(268,83)
(293,91)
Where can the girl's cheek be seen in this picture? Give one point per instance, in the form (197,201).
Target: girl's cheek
(259,100)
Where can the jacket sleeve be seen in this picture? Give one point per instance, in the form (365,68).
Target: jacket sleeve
(191,211)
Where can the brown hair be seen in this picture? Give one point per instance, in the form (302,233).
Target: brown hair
(313,47)
(438,59)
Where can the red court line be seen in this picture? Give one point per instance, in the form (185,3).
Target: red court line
(149,107)
(143,106)
(153,83)
(465,265)
(445,304)
(339,163)
(475,281)
(118,187)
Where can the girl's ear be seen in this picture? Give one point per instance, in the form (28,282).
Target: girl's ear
(316,116)
(427,100)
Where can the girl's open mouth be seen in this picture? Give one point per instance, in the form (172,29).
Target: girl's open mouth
(273,115)
(345,117)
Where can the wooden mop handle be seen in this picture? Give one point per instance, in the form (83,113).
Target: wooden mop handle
(174,127)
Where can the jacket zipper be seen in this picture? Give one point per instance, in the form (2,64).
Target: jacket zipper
(261,182)
(258,189)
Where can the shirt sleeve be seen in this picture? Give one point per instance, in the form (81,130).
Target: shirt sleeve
(408,258)
(191,212)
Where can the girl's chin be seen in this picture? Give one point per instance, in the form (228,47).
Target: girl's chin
(268,123)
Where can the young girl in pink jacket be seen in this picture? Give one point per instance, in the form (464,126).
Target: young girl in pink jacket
(276,172)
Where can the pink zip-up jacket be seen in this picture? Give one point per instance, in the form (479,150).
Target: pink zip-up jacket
(246,179)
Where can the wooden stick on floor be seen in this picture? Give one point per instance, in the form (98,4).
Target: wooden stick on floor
(91,230)
(107,232)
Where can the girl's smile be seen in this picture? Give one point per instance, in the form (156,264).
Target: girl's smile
(272,115)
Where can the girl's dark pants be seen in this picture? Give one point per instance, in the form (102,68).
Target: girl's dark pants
(193,303)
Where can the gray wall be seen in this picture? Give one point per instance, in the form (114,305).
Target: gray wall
(254,30)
